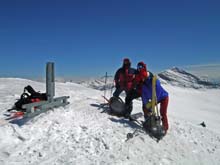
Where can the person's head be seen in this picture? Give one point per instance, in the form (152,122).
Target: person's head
(126,63)
(142,69)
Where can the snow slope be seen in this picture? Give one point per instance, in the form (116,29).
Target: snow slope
(81,134)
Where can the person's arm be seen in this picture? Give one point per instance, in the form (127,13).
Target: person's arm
(116,78)
(144,95)
(147,94)
(161,92)
(146,102)
(135,79)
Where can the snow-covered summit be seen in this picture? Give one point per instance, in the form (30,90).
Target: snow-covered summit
(81,134)
(180,77)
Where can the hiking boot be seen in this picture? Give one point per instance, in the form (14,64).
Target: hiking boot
(127,115)
(147,123)
(128,109)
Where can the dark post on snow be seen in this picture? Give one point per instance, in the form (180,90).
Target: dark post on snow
(50,81)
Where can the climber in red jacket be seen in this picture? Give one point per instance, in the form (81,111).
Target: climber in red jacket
(124,78)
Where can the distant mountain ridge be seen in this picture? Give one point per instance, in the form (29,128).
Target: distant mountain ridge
(98,83)
(179,77)
(174,76)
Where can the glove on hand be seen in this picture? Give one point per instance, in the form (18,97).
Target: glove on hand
(148,105)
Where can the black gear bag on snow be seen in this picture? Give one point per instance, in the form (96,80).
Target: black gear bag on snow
(29,96)
(117,106)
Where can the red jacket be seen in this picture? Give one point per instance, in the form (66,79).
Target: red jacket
(139,80)
(124,78)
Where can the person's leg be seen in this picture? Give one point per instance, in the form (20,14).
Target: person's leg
(117,92)
(128,103)
(130,95)
(147,112)
(163,112)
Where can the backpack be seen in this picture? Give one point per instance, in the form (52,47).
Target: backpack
(29,96)
(117,106)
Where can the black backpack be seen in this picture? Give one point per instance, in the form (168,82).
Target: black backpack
(29,96)
(117,106)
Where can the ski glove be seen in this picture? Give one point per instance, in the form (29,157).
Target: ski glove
(148,105)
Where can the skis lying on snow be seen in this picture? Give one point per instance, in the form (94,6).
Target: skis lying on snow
(11,116)
(15,115)
(106,99)
(104,104)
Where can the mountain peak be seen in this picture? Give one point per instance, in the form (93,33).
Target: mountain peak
(176,69)
(179,77)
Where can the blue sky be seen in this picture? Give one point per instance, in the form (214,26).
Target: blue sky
(90,37)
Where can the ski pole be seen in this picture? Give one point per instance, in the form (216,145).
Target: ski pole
(131,135)
(106,75)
